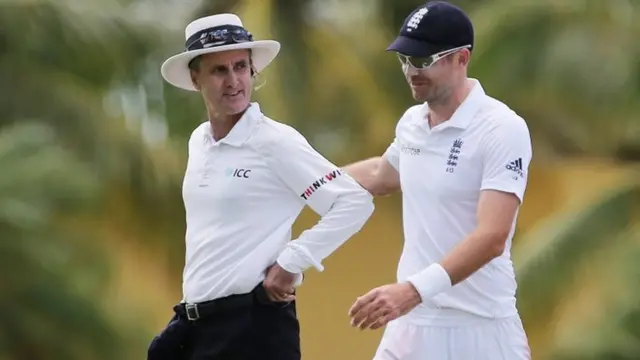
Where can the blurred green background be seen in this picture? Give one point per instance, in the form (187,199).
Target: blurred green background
(93,147)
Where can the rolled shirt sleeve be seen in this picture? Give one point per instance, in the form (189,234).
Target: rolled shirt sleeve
(344,206)
(506,155)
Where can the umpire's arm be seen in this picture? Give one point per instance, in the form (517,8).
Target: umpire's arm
(344,206)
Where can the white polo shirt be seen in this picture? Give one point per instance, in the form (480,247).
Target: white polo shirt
(485,145)
(242,195)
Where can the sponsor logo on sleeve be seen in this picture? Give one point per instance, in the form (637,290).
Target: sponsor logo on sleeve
(320,182)
(516,167)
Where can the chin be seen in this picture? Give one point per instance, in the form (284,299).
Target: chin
(419,97)
(235,109)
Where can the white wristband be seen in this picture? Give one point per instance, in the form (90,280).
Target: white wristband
(431,281)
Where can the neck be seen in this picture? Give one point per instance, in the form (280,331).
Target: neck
(441,111)
(221,124)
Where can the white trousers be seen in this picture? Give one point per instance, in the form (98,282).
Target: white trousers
(480,339)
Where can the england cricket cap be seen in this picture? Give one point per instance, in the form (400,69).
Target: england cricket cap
(431,28)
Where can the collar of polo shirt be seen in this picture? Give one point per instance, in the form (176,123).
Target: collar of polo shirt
(241,130)
(463,115)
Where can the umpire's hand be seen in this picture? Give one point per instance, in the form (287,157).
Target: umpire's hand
(279,284)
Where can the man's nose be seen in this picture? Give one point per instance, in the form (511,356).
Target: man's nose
(410,70)
(231,79)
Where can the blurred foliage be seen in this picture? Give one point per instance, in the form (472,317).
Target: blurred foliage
(572,68)
(586,258)
(50,279)
(60,154)
(93,142)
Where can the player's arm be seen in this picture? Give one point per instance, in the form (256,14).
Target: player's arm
(376,175)
(506,153)
(496,211)
(379,175)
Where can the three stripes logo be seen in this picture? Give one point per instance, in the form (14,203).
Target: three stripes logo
(516,167)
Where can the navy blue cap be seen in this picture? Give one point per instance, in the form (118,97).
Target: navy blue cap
(431,28)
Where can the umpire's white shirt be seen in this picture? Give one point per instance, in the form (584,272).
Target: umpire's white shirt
(242,195)
(485,145)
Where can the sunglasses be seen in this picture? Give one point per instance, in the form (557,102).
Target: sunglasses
(423,63)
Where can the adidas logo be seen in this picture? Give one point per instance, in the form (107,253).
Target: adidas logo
(516,166)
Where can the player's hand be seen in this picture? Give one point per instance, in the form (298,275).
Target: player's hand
(279,284)
(383,304)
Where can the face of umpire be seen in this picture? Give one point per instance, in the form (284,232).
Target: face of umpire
(225,80)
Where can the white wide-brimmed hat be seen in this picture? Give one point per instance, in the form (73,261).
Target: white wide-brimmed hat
(211,34)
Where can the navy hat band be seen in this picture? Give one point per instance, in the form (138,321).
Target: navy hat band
(218,36)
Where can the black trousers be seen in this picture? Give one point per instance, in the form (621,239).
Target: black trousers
(252,329)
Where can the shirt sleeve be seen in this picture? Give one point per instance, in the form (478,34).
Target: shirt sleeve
(393,154)
(506,154)
(344,206)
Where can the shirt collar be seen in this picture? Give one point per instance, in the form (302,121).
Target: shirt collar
(463,115)
(242,129)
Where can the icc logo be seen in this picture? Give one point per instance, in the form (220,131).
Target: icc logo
(238,173)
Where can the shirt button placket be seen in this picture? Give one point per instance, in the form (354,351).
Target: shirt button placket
(208,160)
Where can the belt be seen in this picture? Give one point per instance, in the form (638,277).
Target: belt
(205,309)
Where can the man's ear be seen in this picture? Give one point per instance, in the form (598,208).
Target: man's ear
(194,80)
(465,57)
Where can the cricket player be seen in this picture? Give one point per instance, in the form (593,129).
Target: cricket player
(460,159)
